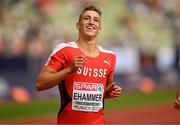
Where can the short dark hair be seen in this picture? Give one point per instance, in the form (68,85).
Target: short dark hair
(90,8)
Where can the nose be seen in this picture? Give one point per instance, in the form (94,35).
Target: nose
(91,21)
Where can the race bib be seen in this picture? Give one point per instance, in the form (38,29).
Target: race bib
(87,96)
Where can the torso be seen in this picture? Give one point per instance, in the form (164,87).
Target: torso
(86,87)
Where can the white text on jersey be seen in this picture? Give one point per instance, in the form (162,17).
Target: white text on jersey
(86,71)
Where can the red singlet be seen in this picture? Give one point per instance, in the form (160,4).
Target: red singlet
(82,93)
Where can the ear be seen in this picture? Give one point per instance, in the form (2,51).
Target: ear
(99,29)
(77,25)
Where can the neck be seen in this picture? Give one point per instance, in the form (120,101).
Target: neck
(88,47)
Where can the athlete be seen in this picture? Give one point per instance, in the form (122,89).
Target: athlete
(83,70)
(177,101)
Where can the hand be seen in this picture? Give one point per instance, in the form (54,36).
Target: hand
(177,101)
(114,91)
(77,63)
(177,104)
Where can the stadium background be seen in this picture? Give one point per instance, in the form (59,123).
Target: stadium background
(143,33)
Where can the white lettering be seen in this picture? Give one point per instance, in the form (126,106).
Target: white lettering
(86,71)
(79,71)
(88,87)
(77,86)
(95,73)
(105,73)
(100,72)
(90,71)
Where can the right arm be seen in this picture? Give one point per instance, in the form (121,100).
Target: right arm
(49,77)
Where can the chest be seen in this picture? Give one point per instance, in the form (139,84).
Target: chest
(97,67)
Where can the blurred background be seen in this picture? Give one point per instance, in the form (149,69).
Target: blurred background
(144,34)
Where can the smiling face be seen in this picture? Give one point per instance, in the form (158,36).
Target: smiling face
(89,24)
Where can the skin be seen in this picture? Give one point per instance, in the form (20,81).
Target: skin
(89,26)
(177,101)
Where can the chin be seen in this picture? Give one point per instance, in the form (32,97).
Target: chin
(91,34)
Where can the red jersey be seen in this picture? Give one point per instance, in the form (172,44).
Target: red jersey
(82,93)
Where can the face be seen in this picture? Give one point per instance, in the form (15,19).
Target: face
(89,24)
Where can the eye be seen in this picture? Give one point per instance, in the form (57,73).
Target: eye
(86,18)
(96,19)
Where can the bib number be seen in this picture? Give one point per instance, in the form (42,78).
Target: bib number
(87,96)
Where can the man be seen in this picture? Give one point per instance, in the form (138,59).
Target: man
(177,101)
(84,73)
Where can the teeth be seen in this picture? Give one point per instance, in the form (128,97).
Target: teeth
(91,28)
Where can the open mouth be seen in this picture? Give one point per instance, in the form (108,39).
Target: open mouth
(90,28)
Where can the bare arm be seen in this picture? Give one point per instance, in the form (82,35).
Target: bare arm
(49,77)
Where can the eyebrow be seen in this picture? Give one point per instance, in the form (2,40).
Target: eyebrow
(90,16)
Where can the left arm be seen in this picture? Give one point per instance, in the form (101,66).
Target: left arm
(113,90)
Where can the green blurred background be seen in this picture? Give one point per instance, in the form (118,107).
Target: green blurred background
(49,107)
(144,34)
